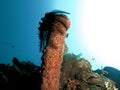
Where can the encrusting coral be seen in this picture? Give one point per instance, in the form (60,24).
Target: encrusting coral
(77,74)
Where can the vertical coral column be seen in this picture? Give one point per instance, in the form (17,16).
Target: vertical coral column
(52,56)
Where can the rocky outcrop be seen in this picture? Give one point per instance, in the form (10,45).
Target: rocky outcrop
(76,74)
(79,76)
(19,76)
(111,73)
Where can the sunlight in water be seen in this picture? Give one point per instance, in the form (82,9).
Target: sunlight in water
(101,30)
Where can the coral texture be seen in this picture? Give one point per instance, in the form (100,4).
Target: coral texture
(52,54)
(77,74)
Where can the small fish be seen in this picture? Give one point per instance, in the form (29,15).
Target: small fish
(93,58)
(12,46)
(67,35)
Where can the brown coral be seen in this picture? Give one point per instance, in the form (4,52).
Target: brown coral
(52,56)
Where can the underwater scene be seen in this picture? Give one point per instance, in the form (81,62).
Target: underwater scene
(59,45)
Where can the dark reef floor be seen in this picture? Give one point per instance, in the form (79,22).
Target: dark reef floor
(76,74)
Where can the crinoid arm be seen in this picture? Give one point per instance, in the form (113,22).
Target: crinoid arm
(59,12)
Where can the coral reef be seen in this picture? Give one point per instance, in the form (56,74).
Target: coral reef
(19,76)
(76,74)
(111,73)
